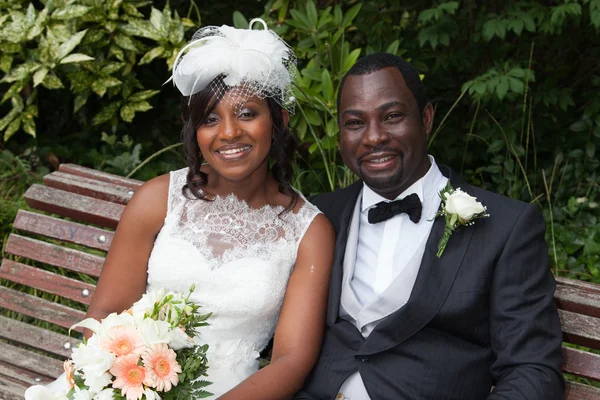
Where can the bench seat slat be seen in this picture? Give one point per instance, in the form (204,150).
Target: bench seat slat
(75,206)
(36,337)
(46,281)
(39,308)
(65,231)
(578,300)
(74,169)
(89,187)
(581,363)
(34,362)
(52,254)
(577,391)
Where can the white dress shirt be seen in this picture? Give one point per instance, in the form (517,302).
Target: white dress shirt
(388,252)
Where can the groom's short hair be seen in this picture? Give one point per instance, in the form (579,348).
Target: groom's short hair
(377,61)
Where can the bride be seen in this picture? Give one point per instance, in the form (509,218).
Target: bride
(258,253)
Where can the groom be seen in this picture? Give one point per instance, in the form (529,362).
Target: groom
(479,322)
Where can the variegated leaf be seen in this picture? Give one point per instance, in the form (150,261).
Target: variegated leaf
(151,55)
(76,57)
(39,76)
(70,44)
(52,82)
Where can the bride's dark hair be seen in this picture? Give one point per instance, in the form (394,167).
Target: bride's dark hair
(195,111)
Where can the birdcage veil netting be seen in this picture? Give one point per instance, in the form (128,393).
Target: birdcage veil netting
(251,62)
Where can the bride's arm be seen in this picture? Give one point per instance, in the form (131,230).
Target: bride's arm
(301,323)
(123,278)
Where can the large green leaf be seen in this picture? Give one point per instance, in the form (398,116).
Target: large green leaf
(239,21)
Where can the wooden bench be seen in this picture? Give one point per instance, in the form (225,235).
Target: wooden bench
(87,205)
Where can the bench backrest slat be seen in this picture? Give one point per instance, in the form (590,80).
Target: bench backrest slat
(75,206)
(66,231)
(89,187)
(581,363)
(78,170)
(577,391)
(579,300)
(10,388)
(39,308)
(575,283)
(39,363)
(36,337)
(580,329)
(46,281)
(52,254)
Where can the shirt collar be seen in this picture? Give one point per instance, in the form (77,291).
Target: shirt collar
(422,186)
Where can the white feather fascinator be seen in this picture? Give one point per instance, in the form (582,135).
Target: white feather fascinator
(251,62)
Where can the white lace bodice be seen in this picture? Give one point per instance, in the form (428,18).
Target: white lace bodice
(240,260)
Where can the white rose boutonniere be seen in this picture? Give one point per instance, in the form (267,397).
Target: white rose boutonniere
(458,209)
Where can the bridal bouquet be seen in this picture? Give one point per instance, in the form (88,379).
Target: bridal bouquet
(146,352)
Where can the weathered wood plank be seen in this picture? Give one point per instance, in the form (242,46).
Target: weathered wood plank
(36,337)
(34,362)
(581,363)
(52,254)
(593,287)
(100,176)
(89,187)
(577,391)
(47,281)
(578,300)
(39,308)
(22,377)
(75,206)
(60,229)
(11,388)
(580,329)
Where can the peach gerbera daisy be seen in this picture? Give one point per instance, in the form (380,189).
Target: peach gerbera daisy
(162,367)
(69,373)
(130,377)
(122,341)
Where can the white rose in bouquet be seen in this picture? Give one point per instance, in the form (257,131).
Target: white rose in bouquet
(93,361)
(154,332)
(145,305)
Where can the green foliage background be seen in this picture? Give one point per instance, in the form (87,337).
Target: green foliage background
(514,84)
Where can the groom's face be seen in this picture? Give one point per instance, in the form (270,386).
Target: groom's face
(383,137)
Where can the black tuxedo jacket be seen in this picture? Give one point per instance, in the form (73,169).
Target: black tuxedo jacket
(481,316)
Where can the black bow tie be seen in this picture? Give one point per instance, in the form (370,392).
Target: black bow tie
(384,210)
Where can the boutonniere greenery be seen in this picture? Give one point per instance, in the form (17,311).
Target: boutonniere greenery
(458,209)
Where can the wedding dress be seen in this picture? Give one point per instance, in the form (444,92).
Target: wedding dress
(239,259)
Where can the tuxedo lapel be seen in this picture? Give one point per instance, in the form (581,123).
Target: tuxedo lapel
(433,283)
(350,196)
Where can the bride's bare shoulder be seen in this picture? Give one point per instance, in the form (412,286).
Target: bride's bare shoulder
(150,200)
